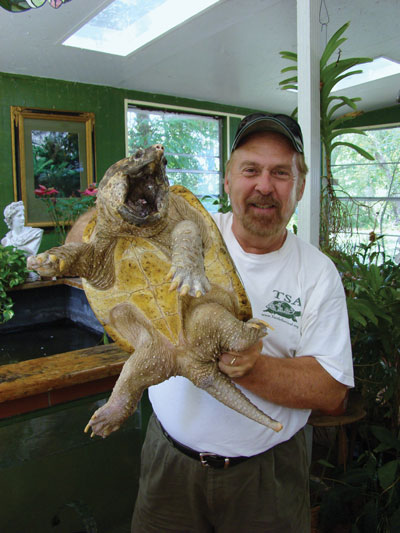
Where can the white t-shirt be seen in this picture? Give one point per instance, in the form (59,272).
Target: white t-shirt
(298,291)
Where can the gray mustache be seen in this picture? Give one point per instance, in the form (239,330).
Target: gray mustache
(263,201)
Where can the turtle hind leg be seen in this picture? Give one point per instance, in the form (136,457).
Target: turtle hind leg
(211,329)
(152,362)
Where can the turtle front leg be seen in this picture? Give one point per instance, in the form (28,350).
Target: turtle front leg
(187,263)
(152,362)
(67,260)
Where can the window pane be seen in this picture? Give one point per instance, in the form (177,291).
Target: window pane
(370,190)
(191,142)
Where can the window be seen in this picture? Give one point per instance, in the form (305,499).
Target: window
(192,147)
(370,190)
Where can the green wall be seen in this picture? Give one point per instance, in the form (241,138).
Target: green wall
(107,103)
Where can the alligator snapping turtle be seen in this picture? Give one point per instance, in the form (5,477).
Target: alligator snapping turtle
(159,278)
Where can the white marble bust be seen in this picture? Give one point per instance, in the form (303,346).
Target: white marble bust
(20,236)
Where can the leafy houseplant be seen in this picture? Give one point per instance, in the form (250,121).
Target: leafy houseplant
(64,211)
(365,492)
(333,213)
(372,285)
(13,272)
(364,497)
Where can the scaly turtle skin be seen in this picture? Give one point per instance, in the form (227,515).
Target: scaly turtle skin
(158,276)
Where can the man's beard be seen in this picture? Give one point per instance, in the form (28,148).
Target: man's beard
(260,224)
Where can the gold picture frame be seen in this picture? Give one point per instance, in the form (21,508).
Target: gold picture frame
(51,148)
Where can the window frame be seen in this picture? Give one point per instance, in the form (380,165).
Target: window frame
(229,122)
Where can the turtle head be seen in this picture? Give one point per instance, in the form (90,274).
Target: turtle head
(136,188)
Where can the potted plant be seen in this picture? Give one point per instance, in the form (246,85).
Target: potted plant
(13,272)
(363,494)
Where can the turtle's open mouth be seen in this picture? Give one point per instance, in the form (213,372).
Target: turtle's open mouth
(146,200)
(142,198)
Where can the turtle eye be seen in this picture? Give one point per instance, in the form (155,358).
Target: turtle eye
(139,153)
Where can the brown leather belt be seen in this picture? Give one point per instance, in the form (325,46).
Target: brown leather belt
(206,458)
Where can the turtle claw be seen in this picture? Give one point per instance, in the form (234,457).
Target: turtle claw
(106,420)
(259,325)
(46,264)
(171,273)
(174,285)
(264,323)
(187,283)
(184,289)
(89,425)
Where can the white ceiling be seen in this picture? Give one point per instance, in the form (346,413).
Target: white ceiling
(229,54)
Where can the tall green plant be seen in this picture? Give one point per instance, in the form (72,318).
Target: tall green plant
(364,494)
(332,71)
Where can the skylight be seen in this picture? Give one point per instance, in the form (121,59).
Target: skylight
(126,25)
(381,67)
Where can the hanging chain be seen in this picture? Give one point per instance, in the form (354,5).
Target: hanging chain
(324,19)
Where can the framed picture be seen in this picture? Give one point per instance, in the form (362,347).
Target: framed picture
(52,149)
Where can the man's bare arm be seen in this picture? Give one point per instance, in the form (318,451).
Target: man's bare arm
(293,382)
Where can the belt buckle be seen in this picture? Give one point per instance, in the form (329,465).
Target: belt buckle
(205,455)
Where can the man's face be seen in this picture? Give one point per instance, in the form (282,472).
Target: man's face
(263,184)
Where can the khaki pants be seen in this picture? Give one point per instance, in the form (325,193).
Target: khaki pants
(268,493)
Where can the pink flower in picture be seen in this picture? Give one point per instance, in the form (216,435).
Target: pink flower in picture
(45,191)
(91,190)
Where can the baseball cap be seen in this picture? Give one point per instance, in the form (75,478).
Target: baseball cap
(269,122)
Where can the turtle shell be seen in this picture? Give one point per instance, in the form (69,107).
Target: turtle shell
(141,270)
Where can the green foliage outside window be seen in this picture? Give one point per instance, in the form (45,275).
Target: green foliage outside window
(370,190)
(191,143)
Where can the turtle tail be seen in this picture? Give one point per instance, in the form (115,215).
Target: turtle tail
(207,377)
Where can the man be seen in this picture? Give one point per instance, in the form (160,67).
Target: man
(304,363)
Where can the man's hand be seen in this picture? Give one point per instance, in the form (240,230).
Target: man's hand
(238,364)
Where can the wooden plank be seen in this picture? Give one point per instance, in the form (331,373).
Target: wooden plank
(45,374)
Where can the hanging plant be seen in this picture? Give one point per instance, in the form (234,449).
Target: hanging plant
(19,6)
(334,216)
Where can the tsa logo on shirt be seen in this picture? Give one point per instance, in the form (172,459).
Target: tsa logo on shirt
(284,307)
